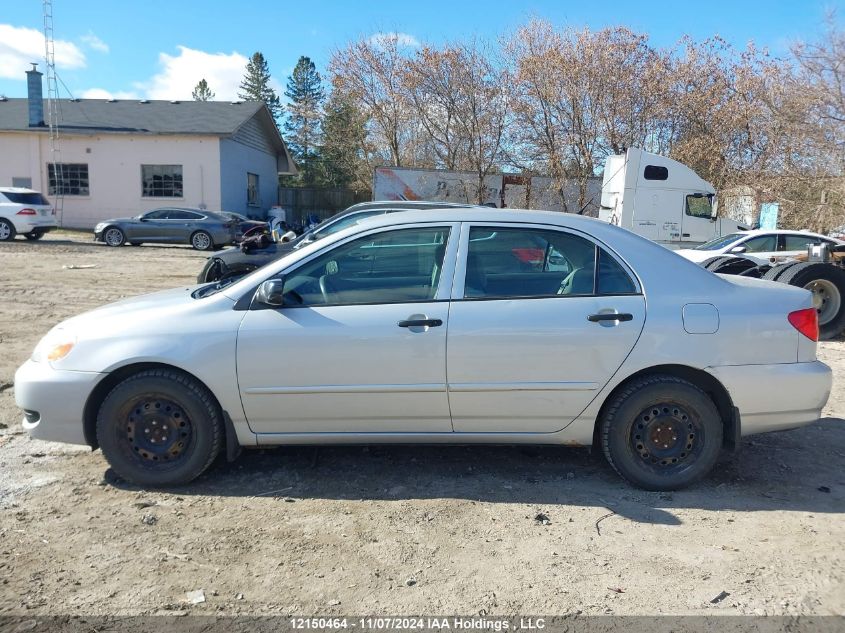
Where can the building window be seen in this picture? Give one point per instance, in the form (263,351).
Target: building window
(161,181)
(68,179)
(252,198)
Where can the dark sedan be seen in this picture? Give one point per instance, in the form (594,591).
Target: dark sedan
(245,224)
(202,229)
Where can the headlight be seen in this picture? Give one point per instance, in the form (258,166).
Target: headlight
(53,347)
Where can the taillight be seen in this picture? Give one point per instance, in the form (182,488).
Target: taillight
(806,321)
(27,212)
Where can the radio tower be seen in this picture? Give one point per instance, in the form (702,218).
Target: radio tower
(53,113)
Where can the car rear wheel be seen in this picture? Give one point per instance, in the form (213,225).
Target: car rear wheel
(7,230)
(661,433)
(202,241)
(159,427)
(35,235)
(114,236)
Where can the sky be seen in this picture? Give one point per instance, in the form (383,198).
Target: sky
(159,49)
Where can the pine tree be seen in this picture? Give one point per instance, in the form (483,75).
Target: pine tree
(341,154)
(302,126)
(256,85)
(202,92)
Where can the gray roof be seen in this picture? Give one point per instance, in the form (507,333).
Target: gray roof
(98,116)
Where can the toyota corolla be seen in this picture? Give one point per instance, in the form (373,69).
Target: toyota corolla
(459,326)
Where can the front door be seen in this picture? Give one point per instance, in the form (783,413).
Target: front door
(360,346)
(534,332)
(697,225)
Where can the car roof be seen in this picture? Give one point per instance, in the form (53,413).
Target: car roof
(779,232)
(17,190)
(489,214)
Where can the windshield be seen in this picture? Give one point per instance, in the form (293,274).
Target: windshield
(719,242)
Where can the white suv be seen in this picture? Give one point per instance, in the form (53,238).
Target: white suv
(26,212)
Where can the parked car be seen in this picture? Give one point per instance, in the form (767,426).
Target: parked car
(236,262)
(245,225)
(202,229)
(761,244)
(25,212)
(607,338)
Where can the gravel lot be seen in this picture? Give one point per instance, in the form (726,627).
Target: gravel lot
(386,530)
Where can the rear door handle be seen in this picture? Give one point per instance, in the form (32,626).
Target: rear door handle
(610,316)
(420,323)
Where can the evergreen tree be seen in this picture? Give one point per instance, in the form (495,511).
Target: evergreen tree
(256,85)
(342,150)
(302,125)
(202,92)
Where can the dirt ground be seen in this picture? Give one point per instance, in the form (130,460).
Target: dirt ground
(394,530)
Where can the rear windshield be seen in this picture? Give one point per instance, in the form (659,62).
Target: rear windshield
(26,198)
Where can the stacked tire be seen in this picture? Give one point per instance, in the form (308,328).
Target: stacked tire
(826,282)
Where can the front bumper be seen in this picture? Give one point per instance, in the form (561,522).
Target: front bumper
(776,397)
(54,401)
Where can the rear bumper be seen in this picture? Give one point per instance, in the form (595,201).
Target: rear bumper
(37,223)
(54,401)
(776,397)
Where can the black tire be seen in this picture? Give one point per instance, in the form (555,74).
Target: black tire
(827,283)
(113,236)
(201,241)
(714,261)
(631,433)
(776,272)
(732,266)
(35,235)
(7,230)
(160,427)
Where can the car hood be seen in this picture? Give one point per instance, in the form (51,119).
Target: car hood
(115,221)
(234,255)
(133,310)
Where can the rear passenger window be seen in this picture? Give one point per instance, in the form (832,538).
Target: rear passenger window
(504,263)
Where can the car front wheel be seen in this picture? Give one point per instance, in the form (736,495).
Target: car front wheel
(159,427)
(661,432)
(114,236)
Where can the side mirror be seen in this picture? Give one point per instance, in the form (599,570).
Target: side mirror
(738,249)
(271,293)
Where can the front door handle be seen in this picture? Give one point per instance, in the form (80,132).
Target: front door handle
(610,316)
(420,323)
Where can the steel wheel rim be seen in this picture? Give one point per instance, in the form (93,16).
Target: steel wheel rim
(667,437)
(5,231)
(157,431)
(114,237)
(201,241)
(826,299)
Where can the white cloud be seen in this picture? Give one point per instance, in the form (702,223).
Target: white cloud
(180,73)
(100,93)
(402,39)
(94,43)
(20,45)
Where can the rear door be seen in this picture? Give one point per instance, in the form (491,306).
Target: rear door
(540,320)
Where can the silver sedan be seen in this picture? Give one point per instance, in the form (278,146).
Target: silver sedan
(460,326)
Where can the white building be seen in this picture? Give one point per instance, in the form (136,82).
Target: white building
(121,157)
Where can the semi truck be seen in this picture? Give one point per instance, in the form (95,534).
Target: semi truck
(661,199)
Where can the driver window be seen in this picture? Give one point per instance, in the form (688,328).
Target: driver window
(398,266)
(158,214)
(762,244)
(699,206)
